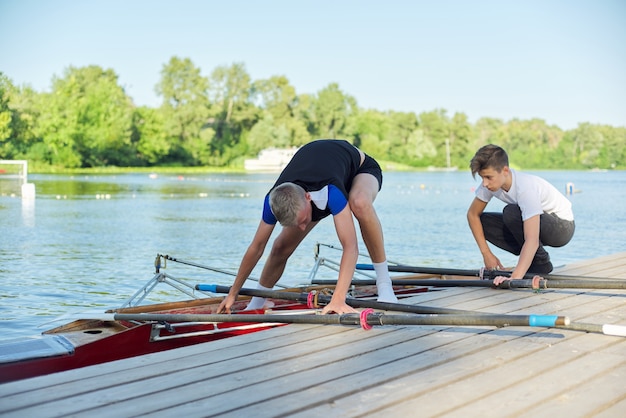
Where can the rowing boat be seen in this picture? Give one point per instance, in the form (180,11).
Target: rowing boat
(95,338)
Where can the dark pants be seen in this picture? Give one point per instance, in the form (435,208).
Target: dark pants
(506,231)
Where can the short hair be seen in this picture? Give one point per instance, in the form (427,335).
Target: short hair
(489,156)
(286,200)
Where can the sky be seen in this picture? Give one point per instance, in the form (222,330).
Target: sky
(563,61)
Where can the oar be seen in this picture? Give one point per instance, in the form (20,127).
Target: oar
(189,263)
(482,273)
(372,318)
(324,299)
(508,284)
(369,319)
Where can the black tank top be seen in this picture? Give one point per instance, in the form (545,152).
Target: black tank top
(319,164)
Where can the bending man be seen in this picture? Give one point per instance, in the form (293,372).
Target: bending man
(324,177)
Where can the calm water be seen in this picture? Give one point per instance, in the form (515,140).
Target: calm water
(89,242)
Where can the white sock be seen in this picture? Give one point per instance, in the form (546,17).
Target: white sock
(257,302)
(383,283)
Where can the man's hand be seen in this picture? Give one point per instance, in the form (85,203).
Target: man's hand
(500,279)
(492,262)
(226,304)
(338,307)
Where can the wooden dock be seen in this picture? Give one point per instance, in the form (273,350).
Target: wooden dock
(391,371)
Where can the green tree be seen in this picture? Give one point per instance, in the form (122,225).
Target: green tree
(436,129)
(87,119)
(488,131)
(370,132)
(614,152)
(461,140)
(150,135)
(17,118)
(527,142)
(233,112)
(24,101)
(399,136)
(266,134)
(420,148)
(585,143)
(185,112)
(304,113)
(333,109)
(6,118)
(278,98)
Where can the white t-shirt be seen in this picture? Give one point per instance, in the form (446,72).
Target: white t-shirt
(533,195)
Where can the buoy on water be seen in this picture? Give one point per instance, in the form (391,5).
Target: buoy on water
(569,189)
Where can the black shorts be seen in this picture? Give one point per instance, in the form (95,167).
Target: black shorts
(372,167)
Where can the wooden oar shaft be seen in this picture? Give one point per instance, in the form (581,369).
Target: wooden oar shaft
(324,299)
(355,319)
(484,273)
(508,284)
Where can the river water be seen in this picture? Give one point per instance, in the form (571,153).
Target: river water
(89,242)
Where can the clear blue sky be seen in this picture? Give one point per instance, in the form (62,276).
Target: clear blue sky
(563,61)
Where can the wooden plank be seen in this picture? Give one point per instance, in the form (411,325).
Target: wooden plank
(239,387)
(153,365)
(267,363)
(613,410)
(502,358)
(605,388)
(339,377)
(611,266)
(521,385)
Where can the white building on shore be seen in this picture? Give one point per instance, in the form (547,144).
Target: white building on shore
(270,159)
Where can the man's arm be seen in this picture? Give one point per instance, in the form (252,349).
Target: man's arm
(250,259)
(473,218)
(344,225)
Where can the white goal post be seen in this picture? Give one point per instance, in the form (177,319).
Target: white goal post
(17,169)
(14,169)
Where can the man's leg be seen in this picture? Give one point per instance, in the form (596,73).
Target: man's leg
(362,195)
(284,245)
(555,232)
(512,216)
(497,233)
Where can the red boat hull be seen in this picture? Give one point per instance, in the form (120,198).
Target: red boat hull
(134,340)
(89,342)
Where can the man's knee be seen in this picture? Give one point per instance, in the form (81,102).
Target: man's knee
(281,250)
(361,204)
(491,220)
(512,213)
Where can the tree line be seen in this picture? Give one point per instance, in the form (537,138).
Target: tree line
(88,120)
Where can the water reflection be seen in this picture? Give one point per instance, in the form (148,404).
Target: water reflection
(28,212)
